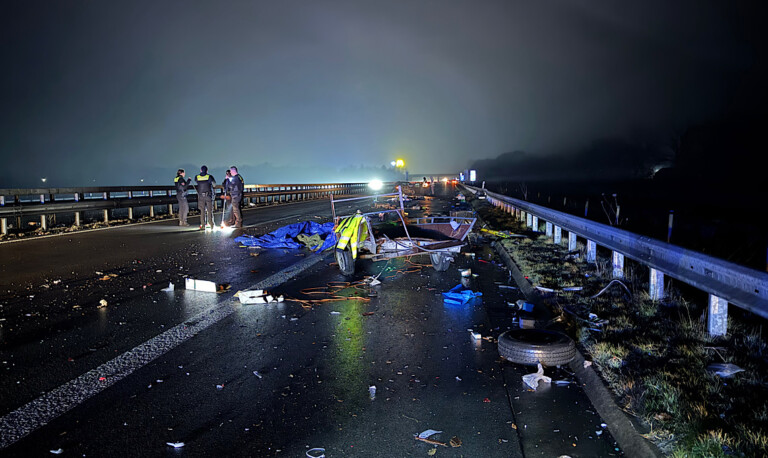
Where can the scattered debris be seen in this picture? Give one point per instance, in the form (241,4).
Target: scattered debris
(175,444)
(317,452)
(169,289)
(58,451)
(372,392)
(200,285)
(424,437)
(476,335)
(256,373)
(368,313)
(102,303)
(724,369)
(455,442)
(532,380)
(460,295)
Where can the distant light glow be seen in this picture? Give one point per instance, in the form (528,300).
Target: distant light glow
(472,175)
(43,179)
(400,163)
(393,163)
(376,185)
(444,180)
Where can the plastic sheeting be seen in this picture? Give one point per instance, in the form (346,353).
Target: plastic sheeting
(284,237)
(460,295)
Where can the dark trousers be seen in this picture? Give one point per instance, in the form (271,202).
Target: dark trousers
(205,205)
(236,215)
(183,208)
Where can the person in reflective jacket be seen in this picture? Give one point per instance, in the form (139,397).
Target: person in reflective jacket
(205,190)
(182,186)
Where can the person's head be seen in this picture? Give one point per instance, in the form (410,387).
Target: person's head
(233,170)
(204,170)
(228,174)
(180,173)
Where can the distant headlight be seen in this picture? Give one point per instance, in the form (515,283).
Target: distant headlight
(376,185)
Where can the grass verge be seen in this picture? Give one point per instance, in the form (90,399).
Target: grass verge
(654,355)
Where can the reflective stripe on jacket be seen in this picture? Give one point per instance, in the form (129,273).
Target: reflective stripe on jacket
(350,233)
(205,183)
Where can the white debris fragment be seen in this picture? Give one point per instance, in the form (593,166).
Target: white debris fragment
(175,444)
(426,433)
(532,380)
(335,313)
(58,451)
(256,373)
(169,289)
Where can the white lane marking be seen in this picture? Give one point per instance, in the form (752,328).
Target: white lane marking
(39,412)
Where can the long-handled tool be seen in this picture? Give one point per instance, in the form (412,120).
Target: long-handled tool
(223,211)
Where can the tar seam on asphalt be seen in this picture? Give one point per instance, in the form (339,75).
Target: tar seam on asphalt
(37,413)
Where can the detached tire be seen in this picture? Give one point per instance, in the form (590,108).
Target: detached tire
(440,261)
(345,261)
(533,346)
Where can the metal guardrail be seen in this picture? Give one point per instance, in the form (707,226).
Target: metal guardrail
(744,287)
(18,203)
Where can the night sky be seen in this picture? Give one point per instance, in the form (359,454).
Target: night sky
(107,92)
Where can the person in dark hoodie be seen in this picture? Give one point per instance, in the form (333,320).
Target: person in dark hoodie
(205,190)
(182,185)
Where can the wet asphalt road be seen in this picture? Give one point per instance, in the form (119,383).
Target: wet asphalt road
(315,367)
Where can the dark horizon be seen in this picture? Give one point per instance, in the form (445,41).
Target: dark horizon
(116,92)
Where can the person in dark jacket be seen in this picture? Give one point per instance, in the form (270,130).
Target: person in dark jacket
(205,190)
(182,186)
(226,217)
(236,187)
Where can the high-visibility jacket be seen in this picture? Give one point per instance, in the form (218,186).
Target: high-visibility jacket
(352,230)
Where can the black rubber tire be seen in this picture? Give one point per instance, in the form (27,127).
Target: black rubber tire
(440,261)
(533,346)
(345,261)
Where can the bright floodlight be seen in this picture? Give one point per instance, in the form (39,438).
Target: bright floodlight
(393,163)
(400,163)
(375,185)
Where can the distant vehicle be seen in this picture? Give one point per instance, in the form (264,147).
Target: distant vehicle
(481,194)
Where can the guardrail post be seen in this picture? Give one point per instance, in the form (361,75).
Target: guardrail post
(130,209)
(548,229)
(656,288)
(106,211)
(535,224)
(717,322)
(558,235)
(77,214)
(170,206)
(3,221)
(528,220)
(571,241)
(151,207)
(591,251)
(618,265)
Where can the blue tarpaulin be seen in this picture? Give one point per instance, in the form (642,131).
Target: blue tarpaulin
(460,295)
(284,237)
